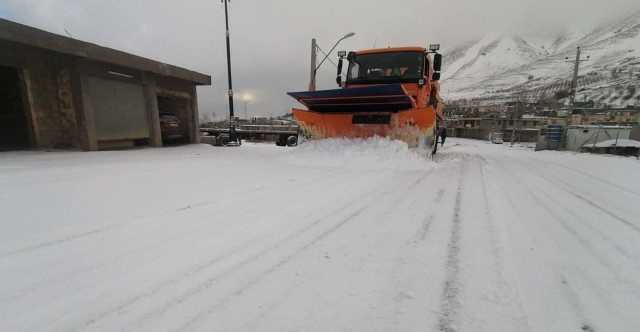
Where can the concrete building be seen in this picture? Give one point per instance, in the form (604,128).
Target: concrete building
(606,116)
(527,129)
(578,136)
(58,92)
(628,115)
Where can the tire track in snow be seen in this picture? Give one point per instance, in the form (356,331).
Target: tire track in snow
(588,175)
(403,298)
(607,239)
(572,301)
(570,189)
(571,296)
(505,290)
(201,268)
(586,243)
(570,229)
(119,257)
(66,277)
(282,299)
(450,302)
(203,314)
(135,221)
(425,225)
(604,237)
(59,241)
(210,281)
(192,322)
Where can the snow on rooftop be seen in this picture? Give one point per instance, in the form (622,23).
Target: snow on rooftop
(623,143)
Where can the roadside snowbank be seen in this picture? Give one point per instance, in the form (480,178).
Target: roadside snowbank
(375,153)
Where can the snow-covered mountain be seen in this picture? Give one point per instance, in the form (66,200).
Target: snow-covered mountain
(503,66)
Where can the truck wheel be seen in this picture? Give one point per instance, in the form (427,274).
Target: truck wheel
(434,150)
(435,147)
(292,140)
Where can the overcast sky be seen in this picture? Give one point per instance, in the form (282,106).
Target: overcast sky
(271,38)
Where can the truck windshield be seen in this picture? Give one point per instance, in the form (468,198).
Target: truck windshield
(402,67)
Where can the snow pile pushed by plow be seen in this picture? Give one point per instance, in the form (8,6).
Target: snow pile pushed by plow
(375,153)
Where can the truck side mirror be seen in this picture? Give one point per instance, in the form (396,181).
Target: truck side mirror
(437,62)
(339,77)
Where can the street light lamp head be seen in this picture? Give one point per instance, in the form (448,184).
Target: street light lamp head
(247,97)
(349,35)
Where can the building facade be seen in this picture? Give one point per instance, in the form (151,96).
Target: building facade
(579,136)
(58,92)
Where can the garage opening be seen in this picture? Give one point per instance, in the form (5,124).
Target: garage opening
(174,119)
(121,118)
(14,127)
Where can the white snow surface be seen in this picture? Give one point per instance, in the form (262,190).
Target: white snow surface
(376,153)
(331,236)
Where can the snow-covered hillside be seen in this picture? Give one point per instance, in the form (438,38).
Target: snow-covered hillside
(508,65)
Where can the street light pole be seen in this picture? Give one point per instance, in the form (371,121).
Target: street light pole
(232,127)
(314,68)
(314,63)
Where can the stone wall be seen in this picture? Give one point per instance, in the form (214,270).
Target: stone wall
(48,79)
(49,106)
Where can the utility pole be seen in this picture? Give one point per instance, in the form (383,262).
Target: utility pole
(515,118)
(517,114)
(574,80)
(314,60)
(232,126)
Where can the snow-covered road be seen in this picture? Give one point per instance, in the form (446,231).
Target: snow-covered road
(331,236)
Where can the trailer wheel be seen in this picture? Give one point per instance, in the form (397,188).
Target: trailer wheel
(222,140)
(292,140)
(281,140)
(216,141)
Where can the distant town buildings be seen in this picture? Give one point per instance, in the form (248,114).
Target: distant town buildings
(527,121)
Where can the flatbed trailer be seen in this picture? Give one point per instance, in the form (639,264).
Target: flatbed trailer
(285,135)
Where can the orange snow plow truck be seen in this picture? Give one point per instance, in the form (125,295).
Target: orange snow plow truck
(388,92)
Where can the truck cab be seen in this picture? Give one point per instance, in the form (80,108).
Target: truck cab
(415,68)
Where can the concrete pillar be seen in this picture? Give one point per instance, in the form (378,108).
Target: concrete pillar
(195,117)
(27,106)
(153,114)
(84,109)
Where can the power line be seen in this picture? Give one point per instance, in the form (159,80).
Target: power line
(325,54)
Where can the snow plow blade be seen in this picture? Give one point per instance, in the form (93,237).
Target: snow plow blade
(381,98)
(384,110)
